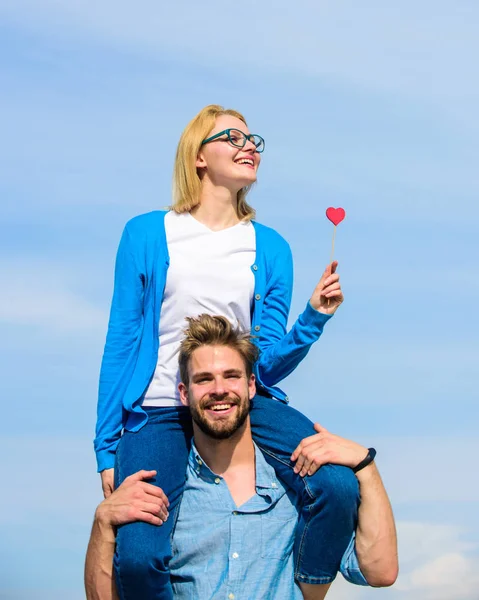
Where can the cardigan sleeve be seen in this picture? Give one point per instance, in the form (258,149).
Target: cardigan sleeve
(124,327)
(282,351)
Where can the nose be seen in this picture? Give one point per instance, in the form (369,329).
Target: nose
(219,388)
(249,146)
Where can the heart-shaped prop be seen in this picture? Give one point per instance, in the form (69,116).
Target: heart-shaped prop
(335,215)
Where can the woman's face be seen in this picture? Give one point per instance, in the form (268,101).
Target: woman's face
(225,164)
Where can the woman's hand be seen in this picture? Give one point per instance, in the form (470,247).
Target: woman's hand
(107,481)
(327,295)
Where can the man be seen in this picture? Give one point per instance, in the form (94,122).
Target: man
(234,533)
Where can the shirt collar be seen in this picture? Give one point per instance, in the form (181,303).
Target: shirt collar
(199,467)
(266,478)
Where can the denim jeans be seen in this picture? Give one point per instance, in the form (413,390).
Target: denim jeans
(329,499)
(143,551)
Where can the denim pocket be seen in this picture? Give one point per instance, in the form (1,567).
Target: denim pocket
(277,535)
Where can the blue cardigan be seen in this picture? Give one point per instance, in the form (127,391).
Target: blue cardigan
(131,349)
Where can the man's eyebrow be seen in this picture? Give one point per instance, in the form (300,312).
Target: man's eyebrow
(201,374)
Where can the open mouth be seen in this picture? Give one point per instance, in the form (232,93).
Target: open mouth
(220,408)
(249,162)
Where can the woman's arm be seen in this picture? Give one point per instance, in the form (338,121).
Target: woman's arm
(282,351)
(124,327)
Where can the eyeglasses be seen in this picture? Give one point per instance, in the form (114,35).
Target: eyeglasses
(237,138)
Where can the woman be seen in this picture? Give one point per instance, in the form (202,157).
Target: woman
(207,255)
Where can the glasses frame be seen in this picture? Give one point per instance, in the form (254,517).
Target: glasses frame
(246,137)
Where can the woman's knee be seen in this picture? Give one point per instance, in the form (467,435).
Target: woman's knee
(141,550)
(334,483)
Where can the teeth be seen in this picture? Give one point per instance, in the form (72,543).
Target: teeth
(220,407)
(246,161)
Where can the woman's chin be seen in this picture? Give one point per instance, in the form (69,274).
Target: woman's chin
(245,182)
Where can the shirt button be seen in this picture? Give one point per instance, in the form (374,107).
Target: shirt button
(200,462)
(235,555)
(235,512)
(217,480)
(231,597)
(255,267)
(257,328)
(286,398)
(273,485)
(258,297)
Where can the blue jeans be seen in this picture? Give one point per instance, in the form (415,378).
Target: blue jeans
(143,551)
(329,499)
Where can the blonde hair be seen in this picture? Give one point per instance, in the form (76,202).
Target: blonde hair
(186,181)
(206,330)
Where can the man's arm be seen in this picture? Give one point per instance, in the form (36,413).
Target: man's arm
(376,542)
(99,581)
(134,500)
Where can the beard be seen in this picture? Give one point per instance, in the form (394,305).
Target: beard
(224,428)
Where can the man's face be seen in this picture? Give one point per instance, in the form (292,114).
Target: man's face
(219,391)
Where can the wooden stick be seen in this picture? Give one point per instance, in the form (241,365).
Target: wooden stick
(332,253)
(332,248)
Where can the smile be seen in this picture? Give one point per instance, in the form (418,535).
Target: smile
(249,162)
(220,408)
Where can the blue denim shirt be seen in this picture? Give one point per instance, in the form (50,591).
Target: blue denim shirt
(222,551)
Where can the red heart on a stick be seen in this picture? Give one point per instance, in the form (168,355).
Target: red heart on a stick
(335,215)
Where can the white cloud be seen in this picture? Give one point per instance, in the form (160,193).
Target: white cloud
(444,567)
(435,564)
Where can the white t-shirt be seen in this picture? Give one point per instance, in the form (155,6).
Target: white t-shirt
(209,272)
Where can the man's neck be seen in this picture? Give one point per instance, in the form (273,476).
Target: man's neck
(224,456)
(233,459)
(217,208)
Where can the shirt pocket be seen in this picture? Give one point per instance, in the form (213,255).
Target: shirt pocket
(277,534)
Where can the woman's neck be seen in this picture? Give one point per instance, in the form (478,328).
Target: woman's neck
(217,208)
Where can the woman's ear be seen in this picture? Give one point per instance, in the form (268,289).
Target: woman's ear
(200,161)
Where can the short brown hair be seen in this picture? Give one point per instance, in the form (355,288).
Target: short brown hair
(207,330)
(186,181)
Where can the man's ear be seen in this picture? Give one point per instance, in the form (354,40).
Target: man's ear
(183,394)
(252,386)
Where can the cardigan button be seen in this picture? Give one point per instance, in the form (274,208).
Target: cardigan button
(257,328)
(255,267)
(258,297)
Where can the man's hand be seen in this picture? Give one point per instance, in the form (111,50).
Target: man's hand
(107,481)
(327,295)
(324,447)
(134,500)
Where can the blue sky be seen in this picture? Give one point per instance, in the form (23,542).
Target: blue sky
(370,106)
